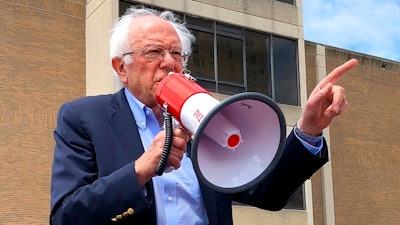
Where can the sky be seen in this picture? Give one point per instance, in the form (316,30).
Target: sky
(370,27)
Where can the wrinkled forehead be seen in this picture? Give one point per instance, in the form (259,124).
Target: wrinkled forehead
(152,30)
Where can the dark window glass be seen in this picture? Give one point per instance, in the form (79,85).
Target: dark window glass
(123,6)
(230,59)
(232,31)
(285,71)
(230,65)
(199,24)
(297,200)
(201,62)
(257,62)
(287,1)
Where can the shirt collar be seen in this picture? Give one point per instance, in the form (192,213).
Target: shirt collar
(139,110)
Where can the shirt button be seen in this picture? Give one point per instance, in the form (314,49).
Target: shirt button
(170,198)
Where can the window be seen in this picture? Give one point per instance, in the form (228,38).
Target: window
(287,1)
(285,71)
(258,68)
(228,59)
(201,62)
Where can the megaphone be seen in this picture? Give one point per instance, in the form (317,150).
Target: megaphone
(237,142)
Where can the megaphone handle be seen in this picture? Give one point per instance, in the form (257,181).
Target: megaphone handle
(167,145)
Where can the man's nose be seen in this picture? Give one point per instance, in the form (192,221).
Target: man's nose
(167,53)
(167,60)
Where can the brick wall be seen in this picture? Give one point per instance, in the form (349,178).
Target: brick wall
(42,64)
(364,143)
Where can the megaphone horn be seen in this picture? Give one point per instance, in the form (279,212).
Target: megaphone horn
(237,142)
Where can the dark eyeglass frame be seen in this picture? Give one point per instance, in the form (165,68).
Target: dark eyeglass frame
(154,52)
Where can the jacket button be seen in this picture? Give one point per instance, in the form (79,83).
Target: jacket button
(130,211)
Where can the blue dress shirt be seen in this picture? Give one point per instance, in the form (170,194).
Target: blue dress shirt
(178,196)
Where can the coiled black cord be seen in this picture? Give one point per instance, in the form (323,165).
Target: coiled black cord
(167,145)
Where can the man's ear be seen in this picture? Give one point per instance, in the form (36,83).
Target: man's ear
(119,68)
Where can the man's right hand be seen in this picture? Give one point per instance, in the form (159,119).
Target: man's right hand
(146,165)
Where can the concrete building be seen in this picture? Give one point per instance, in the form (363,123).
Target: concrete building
(53,51)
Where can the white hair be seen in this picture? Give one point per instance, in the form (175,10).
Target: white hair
(120,43)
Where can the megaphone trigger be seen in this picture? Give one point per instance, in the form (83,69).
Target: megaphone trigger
(176,123)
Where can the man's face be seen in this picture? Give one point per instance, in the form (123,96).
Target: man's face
(142,76)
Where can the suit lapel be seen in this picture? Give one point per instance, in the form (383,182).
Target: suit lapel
(124,125)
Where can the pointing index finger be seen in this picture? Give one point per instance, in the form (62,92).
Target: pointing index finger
(338,72)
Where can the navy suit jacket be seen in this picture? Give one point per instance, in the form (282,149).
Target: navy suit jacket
(93,176)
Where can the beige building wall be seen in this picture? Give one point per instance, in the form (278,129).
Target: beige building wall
(100,17)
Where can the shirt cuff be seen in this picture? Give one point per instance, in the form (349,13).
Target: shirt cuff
(311,143)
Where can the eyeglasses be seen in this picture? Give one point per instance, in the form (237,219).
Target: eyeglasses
(154,52)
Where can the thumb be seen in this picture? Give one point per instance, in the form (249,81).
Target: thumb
(321,95)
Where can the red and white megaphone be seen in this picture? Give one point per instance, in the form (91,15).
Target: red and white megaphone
(236,142)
